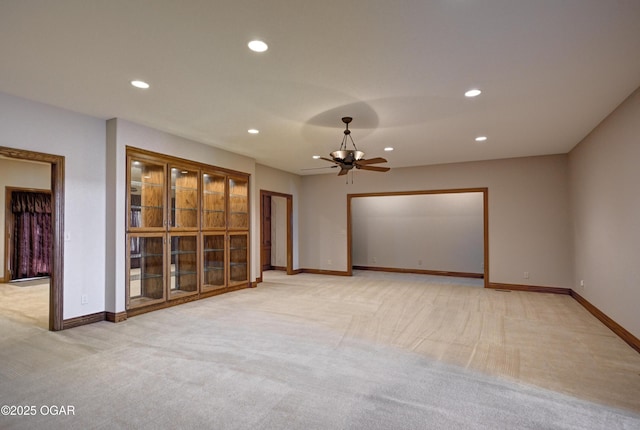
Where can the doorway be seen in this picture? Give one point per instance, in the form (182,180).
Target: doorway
(56,290)
(276,231)
(28,233)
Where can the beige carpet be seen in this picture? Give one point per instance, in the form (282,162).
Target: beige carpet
(26,302)
(312,351)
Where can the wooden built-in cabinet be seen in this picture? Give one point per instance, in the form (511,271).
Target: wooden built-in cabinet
(187,231)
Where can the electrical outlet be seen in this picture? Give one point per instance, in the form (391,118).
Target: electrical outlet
(419,262)
(329,262)
(374,260)
(526,275)
(84,299)
(582,284)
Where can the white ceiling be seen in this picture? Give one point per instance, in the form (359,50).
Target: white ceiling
(549,70)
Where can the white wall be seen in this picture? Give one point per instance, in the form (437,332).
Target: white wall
(123,133)
(19,174)
(529,224)
(81,140)
(423,231)
(270,179)
(604,178)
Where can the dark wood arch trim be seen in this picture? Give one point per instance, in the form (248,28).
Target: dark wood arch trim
(289,215)
(485,204)
(56,290)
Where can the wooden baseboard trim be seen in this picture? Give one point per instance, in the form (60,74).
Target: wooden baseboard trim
(237,287)
(325,272)
(281,268)
(212,293)
(83,320)
(115,317)
(295,272)
(422,272)
(530,288)
(170,303)
(629,338)
(144,309)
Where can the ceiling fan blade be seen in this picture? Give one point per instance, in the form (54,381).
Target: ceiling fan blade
(373,168)
(321,168)
(329,159)
(343,171)
(371,161)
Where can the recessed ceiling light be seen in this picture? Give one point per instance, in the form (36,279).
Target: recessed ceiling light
(388,149)
(258,46)
(473,93)
(140,84)
(481,138)
(253,131)
(316,157)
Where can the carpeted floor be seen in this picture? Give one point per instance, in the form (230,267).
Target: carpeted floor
(291,354)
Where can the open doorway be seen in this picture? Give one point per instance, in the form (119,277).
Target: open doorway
(441,232)
(276,231)
(28,227)
(56,244)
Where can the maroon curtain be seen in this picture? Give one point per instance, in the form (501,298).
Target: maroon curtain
(31,234)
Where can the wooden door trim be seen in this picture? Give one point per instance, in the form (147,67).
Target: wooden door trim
(485,216)
(56,289)
(289,222)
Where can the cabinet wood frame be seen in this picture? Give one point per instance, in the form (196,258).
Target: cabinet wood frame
(142,301)
(200,231)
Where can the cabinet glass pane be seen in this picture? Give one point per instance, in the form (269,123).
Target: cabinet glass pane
(146,195)
(184,198)
(214,276)
(184,265)
(213,210)
(146,269)
(238,258)
(238,203)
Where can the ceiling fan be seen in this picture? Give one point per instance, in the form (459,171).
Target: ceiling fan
(347,159)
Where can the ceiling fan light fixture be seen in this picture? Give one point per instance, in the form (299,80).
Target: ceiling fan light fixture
(348,155)
(347,159)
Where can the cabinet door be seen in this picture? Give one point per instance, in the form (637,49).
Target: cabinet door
(184,195)
(238,258)
(146,202)
(214,262)
(238,203)
(183,265)
(213,201)
(145,268)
